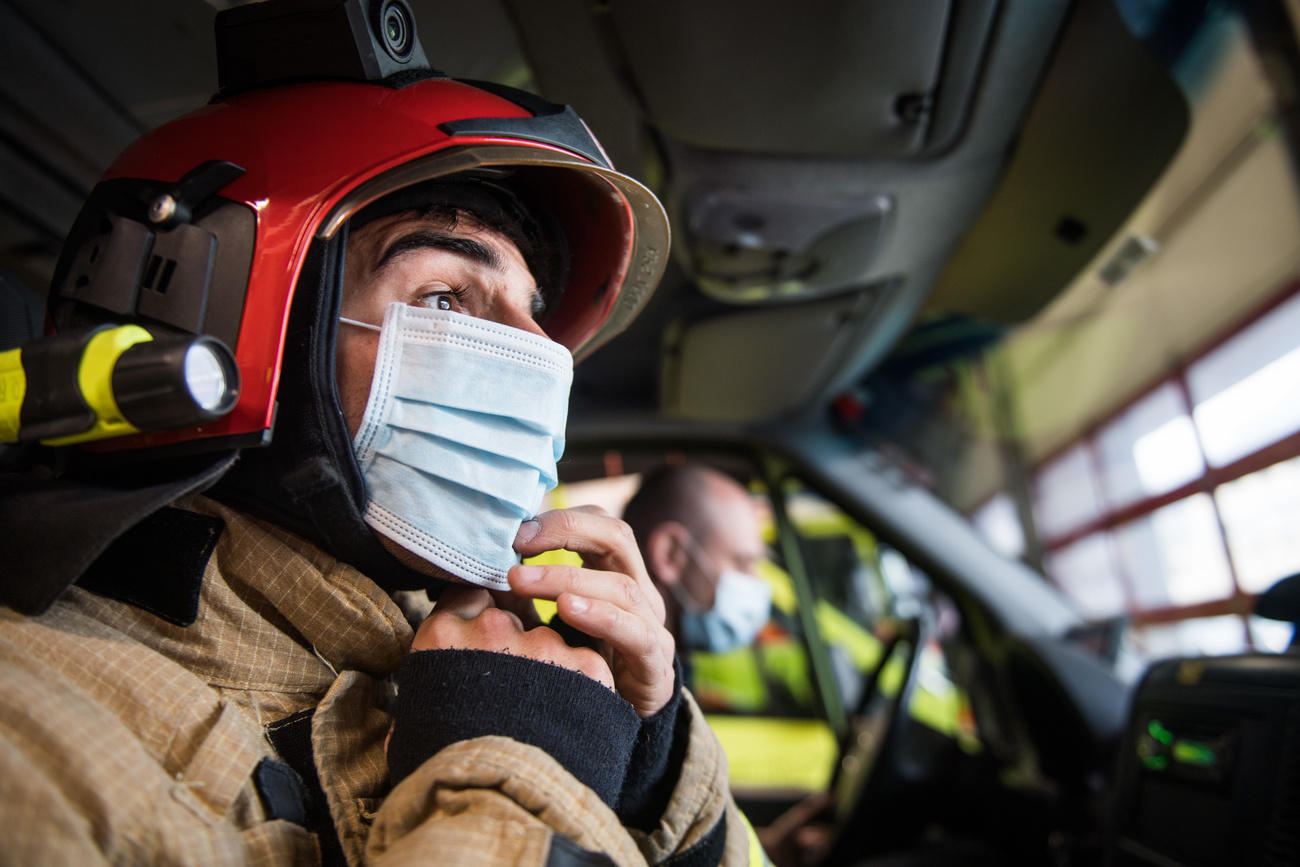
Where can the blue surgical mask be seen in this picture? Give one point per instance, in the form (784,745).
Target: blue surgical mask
(741,605)
(460,436)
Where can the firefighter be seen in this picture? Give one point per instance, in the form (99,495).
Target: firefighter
(312,347)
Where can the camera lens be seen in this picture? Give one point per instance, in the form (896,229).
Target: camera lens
(396,30)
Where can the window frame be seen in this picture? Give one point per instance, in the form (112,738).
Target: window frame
(1239,602)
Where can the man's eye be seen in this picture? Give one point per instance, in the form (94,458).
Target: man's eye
(442,299)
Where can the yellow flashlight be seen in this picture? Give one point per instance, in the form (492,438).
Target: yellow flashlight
(112,381)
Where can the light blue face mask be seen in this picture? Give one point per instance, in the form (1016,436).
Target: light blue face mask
(741,606)
(460,437)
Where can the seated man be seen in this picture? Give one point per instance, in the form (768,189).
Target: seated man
(200,654)
(700,538)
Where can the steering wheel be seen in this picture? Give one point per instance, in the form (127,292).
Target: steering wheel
(869,758)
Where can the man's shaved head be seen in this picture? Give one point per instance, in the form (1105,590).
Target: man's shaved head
(693,524)
(686,493)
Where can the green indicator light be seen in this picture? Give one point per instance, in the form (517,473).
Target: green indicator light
(1159,732)
(1194,753)
(1156,763)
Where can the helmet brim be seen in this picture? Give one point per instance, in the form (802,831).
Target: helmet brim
(615,228)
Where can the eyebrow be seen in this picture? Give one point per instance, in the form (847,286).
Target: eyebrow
(467,247)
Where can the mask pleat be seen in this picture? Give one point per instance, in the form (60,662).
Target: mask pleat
(520,392)
(510,480)
(488,540)
(495,435)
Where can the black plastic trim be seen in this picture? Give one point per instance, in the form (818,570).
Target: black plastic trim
(551,123)
(110,249)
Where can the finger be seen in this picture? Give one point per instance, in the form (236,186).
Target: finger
(546,644)
(585,530)
(498,631)
(491,629)
(464,601)
(642,671)
(629,635)
(499,621)
(520,606)
(603,542)
(612,588)
(548,582)
(456,604)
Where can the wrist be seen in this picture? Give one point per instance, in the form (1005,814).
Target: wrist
(445,696)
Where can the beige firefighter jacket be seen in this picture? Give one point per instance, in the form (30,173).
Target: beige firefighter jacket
(127,739)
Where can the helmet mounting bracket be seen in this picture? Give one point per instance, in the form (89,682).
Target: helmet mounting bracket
(281,41)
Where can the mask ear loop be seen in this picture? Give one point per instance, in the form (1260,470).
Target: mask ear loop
(360,324)
(684,600)
(679,592)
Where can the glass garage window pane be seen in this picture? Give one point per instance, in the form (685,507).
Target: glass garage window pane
(1065,494)
(1175,556)
(1247,391)
(1149,449)
(1200,636)
(1261,515)
(999,524)
(1271,636)
(1085,570)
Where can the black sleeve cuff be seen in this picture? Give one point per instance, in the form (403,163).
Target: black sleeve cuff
(445,696)
(656,762)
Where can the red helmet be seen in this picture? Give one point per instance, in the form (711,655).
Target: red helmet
(230,223)
(312,155)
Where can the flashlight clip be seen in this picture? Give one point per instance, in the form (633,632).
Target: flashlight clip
(201,183)
(143,251)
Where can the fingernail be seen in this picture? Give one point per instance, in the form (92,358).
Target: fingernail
(527,574)
(578,604)
(527,530)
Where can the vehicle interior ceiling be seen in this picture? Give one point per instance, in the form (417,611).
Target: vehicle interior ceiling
(901,187)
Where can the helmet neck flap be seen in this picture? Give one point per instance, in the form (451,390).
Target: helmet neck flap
(307,479)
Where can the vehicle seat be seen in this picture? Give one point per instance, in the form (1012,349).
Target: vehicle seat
(1282,602)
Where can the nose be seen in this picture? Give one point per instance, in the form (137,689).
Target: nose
(530,324)
(522,319)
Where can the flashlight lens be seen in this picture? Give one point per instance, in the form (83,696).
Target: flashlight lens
(205,376)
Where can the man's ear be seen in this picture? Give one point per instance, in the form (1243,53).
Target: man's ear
(666,552)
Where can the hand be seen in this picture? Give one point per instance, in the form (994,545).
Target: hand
(610,597)
(467,618)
